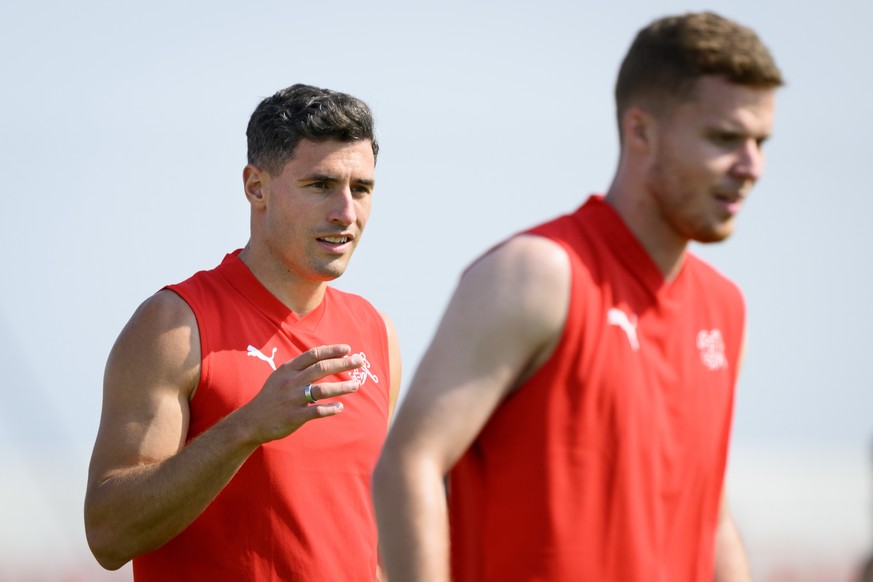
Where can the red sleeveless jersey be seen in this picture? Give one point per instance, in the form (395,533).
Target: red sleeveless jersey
(300,507)
(608,463)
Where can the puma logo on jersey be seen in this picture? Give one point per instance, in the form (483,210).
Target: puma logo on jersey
(255,352)
(619,318)
(361,374)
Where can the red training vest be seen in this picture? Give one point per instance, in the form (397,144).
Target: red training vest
(608,463)
(299,508)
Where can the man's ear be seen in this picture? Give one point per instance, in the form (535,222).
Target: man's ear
(254,185)
(638,130)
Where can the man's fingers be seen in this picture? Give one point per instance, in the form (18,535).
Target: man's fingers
(325,410)
(323,368)
(329,390)
(318,392)
(326,359)
(313,355)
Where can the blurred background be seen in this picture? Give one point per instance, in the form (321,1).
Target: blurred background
(123,142)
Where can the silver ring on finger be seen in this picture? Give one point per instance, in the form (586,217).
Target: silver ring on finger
(308,393)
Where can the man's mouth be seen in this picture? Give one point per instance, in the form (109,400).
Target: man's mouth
(335,240)
(729,198)
(731,201)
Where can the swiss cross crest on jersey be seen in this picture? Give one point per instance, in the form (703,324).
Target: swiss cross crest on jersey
(711,346)
(361,374)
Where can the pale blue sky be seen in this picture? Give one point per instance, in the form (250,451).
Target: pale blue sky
(123,144)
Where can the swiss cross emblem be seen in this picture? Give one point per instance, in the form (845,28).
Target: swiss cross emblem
(711,346)
(361,374)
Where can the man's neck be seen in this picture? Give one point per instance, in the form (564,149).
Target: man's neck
(664,246)
(300,296)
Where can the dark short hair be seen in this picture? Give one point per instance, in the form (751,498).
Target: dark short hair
(670,54)
(304,112)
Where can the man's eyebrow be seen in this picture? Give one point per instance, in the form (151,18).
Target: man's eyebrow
(318,178)
(365,182)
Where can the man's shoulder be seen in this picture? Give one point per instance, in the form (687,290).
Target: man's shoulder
(163,328)
(545,244)
(595,212)
(165,308)
(521,257)
(229,264)
(215,286)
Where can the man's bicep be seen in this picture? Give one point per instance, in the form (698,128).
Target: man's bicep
(505,309)
(150,373)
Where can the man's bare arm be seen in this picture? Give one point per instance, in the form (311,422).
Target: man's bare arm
(145,485)
(730,556)
(501,324)
(394,361)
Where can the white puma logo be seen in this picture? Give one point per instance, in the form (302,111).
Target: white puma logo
(253,351)
(618,317)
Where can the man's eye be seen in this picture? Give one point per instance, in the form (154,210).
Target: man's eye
(726,138)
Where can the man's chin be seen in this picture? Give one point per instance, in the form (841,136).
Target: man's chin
(333,271)
(715,233)
(713,237)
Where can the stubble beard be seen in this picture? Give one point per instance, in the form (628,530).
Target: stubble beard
(673,203)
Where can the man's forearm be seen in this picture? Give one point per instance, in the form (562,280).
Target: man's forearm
(138,509)
(731,564)
(413,523)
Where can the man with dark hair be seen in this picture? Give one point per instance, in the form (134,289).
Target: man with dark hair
(579,390)
(244,408)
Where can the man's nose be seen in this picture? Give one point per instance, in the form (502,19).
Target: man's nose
(342,209)
(750,164)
